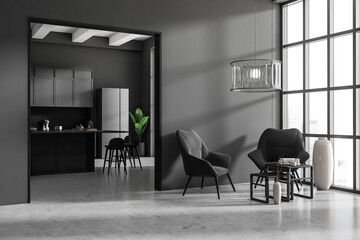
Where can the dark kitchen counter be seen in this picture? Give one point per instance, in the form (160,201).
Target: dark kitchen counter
(67,151)
(75,132)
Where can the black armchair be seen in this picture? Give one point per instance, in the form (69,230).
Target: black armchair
(275,143)
(199,161)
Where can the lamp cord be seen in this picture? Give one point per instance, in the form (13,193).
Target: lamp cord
(255,5)
(272,57)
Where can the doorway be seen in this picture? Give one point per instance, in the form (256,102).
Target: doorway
(154,147)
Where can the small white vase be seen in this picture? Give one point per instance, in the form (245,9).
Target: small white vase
(323,163)
(277,192)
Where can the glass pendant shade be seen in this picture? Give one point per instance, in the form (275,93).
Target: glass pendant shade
(257,75)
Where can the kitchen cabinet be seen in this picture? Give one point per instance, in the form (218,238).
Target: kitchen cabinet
(83,93)
(43,91)
(61,88)
(63,92)
(64,87)
(62,153)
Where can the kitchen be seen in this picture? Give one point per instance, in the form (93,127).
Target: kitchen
(67,79)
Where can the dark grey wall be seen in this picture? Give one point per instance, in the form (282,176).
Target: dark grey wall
(112,68)
(199,39)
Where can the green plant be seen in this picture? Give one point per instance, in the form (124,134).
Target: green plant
(140,122)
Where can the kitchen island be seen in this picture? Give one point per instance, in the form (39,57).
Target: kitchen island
(67,151)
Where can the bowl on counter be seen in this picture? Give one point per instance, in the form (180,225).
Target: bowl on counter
(58,128)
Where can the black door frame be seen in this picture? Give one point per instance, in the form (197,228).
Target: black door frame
(157,40)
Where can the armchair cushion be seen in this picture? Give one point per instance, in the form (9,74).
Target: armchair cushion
(218,159)
(275,143)
(198,159)
(257,156)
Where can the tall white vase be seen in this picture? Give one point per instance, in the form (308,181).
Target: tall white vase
(323,163)
(277,192)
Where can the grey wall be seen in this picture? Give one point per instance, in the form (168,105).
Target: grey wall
(112,68)
(199,39)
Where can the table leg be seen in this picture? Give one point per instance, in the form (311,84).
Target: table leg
(292,188)
(288,180)
(267,189)
(312,182)
(251,186)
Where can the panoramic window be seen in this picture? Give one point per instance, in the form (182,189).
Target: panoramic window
(321,79)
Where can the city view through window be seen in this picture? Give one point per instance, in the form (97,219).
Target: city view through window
(321,80)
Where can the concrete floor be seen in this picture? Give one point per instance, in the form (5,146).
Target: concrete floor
(98,206)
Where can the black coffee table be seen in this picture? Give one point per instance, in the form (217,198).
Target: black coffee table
(287,169)
(286,177)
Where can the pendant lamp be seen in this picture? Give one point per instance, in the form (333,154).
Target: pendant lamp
(256,75)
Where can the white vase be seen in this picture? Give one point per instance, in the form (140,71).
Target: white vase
(323,163)
(277,192)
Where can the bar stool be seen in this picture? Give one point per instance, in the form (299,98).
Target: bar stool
(115,145)
(131,149)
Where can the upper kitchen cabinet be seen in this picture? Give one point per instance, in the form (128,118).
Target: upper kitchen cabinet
(83,89)
(61,88)
(43,87)
(64,87)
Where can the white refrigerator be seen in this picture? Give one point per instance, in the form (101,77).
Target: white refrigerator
(113,113)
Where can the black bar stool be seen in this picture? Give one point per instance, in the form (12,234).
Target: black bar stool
(132,150)
(116,145)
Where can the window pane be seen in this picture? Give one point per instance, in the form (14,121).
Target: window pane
(343,15)
(357,14)
(309,146)
(358,164)
(317,65)
(317,119)
(343,162)
(293,22)
(357,112)
(343,112)
(317,18)
(358,57)
(293,67)
(343,60)
(293,111)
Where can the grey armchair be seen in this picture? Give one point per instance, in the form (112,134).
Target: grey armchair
(274,143)
(199,161)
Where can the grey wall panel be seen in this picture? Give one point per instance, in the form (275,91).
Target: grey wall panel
(199,39)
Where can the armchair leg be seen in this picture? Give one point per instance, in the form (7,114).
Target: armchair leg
(106,152)
(187,185)
(296,182)
(217,187)
(257,180)
(297,175)
(202,182)
(231,182)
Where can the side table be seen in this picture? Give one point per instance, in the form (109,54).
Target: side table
(268,176)
(290,178)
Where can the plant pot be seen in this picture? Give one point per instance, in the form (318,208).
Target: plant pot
(277,192)
(141,149)
(323,163)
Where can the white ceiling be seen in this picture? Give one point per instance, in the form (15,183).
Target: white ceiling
(80,35)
